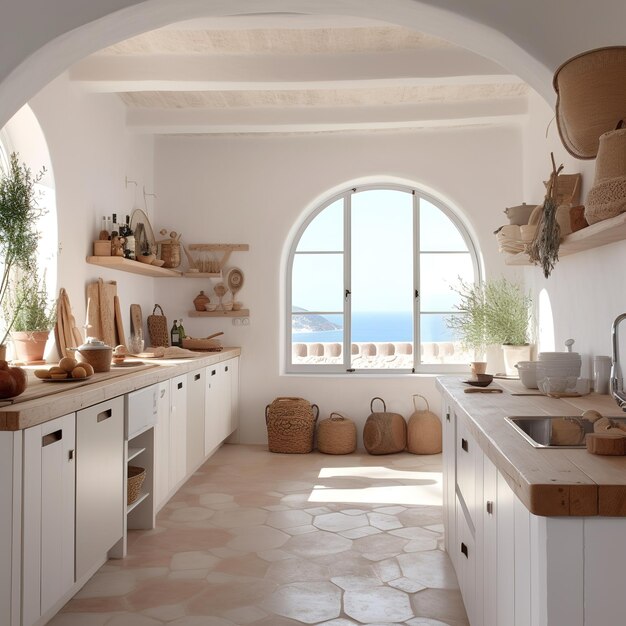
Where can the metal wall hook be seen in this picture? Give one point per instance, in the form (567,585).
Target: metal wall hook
(145,193)
(127,181)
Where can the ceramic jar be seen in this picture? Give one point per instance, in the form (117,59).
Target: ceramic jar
(200,301)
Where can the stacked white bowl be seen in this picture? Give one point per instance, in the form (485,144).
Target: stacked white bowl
(559,367)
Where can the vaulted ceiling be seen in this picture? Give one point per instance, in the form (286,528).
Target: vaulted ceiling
(298,73)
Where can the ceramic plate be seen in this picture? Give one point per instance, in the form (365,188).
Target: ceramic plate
(64,380)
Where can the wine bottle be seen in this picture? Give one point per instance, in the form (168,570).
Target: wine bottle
(115,226)
(181,331)
(175,335)
(130,239)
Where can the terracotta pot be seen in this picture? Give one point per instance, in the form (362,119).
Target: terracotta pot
(29,346)
(3,352)
(96,353)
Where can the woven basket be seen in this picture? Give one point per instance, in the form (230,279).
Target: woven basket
(157,328)
(336,435)
(136,476)
(423,430)
(291,425)
(170,253)
(384,433)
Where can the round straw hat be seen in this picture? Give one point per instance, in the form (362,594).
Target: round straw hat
(591,98)
(607,197)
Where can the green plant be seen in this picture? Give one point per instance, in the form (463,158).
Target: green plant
(491,312)
(469,325)
(19,214)
(507,313)
(28,304)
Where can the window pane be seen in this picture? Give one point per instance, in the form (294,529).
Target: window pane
(382,279)
(437,231)
(438,343)
(317,282)
(325,232)
(438,273)
(316,339)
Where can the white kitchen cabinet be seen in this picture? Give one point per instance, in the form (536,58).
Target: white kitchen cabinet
(162,485)
(487,537)
(466,563)
(505,552)
(233,372)
(100,478)
(449,477)
(48,513)
(178,431)
(195,419)
(213,426)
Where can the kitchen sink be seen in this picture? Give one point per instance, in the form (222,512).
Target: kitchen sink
(556,432)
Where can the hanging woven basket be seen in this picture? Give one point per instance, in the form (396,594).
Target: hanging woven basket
(423,430)
(384,433)
(336,435)
(291,425)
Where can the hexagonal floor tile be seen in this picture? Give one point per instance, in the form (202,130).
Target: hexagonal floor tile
(336,522)
(307,602)
(319,543)
(431,568)
(288,519)
(239,517)
(378,604)
(257,538)
(383,521)
(296,570)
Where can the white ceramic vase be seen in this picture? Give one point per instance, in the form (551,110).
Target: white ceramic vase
(513,355)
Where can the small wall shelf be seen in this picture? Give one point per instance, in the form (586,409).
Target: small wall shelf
(202,275)
(134,267)
(594,236)
(240,313)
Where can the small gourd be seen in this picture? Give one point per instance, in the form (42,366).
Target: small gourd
(424,430)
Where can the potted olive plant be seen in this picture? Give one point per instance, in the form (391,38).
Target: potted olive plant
(19,214)
(490,313)
(469,325)
(33,315)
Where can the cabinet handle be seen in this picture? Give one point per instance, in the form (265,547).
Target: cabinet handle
(104,415)
(447,416)
(180,385)
(464,550)
(196,377)
(162,393)
(226,368)
(51,438)
(489,507)
(213,372)
(464,445)
(70,455)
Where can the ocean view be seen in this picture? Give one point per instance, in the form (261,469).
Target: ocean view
(379,326)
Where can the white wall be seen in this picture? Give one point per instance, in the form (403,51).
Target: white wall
(586,290)
(91,152)
(256,190)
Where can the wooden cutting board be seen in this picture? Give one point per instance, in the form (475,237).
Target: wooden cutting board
(136,319)
(93,311)
(108,291)
(119,324)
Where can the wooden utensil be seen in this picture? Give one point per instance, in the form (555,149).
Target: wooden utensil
(136,319)
(482,390)
(119,323)
(608,444)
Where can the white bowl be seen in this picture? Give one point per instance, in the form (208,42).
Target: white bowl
(528,373)
(210,307)
(228,306)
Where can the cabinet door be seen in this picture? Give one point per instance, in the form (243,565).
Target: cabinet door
(100,506)
(178,430)
(505,557)
(466,565)
(449,476)
(212,425)
(162,445)
(233,365)
(466,452)
(195,419)
(225,399)
(488,541)
(48,540)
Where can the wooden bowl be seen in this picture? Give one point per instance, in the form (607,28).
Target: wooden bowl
(146,258)
(480,380)
(158,262)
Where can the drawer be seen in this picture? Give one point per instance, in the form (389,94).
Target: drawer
(466,563)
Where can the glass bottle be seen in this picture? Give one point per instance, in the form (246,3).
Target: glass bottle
(175,335)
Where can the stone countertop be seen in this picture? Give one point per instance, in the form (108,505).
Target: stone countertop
(550,482)
(44,401)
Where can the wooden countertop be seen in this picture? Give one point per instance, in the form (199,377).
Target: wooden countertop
(43,401)
(568,482)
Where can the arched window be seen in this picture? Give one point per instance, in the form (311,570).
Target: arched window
(369,283)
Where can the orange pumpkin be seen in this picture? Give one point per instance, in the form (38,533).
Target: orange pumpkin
(13,380)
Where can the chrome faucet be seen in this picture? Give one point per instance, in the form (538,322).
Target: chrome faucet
(616,382)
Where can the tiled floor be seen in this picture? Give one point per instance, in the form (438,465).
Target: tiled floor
(271,540)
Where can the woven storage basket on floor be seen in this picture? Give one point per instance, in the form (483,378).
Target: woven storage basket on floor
(384,433)
(136,476)
(423,431)
(336,435)
(291,425)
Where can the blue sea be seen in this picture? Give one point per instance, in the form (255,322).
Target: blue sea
(382,326)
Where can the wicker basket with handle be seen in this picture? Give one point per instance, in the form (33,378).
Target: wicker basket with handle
(157,328)
(336,435)
(136,476)
(423,430)
(291,425)
(384,433)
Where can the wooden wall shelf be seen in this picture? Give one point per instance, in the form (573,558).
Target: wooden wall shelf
(240,313)
(202,274)
(594,236)
(134,267)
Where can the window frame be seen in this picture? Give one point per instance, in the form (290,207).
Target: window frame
(345,367)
